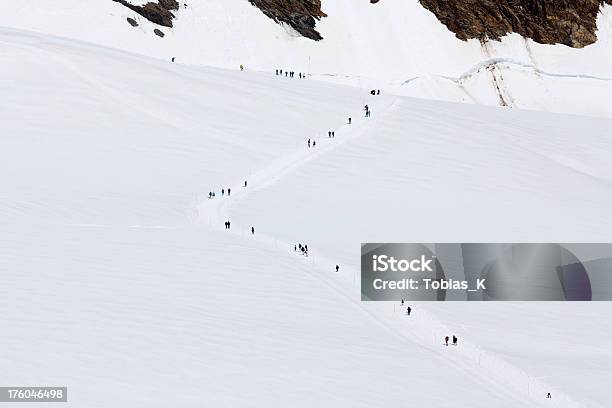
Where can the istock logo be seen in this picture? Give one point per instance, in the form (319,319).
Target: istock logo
(384,263)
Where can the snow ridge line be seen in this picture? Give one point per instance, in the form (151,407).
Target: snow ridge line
(487,369)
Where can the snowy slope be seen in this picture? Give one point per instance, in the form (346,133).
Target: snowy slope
(368,45)
(120,282)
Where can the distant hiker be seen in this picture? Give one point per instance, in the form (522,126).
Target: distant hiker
(350,121)
(241,67)
(454,340)
(446,340)
(252,230)
(337,268)
(409,310)
(229,191)
(173,59)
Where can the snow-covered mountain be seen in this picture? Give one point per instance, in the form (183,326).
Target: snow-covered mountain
(396,44)
(119,280)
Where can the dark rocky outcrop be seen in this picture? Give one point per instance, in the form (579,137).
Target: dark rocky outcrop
(158,13)
(569,22)
(301,15)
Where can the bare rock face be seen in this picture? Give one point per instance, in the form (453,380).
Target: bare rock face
(569,22)
(301,15)
(158,13)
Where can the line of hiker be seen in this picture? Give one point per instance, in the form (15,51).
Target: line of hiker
(302,248)
(290,74)
(446,339)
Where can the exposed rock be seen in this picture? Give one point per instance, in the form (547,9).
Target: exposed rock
(301,15)
(569,22)
(159,33)
(158,13)
(132,22)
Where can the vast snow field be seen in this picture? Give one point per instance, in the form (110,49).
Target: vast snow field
(394,44)
(120,282)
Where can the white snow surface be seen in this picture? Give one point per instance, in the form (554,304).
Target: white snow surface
(395,44)
(119,281)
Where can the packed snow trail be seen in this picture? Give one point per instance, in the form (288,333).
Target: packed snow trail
(421,329)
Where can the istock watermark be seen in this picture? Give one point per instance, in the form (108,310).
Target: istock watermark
(486,271)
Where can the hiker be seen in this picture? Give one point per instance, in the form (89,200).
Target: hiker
(252,230)
(446,340)
(337,268)
(454,340)
(409,310)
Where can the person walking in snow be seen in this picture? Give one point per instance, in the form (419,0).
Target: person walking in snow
(454,340)
(446,340)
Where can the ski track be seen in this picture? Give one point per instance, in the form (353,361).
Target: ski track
(421,329)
